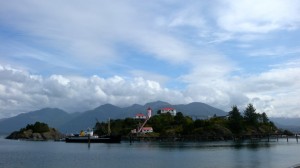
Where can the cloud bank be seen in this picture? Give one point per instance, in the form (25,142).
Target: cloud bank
(273,92)
(79,55)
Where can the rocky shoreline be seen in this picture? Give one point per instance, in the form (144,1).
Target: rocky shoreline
(34,135)
(29,135)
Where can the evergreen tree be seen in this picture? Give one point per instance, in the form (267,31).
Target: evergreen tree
(235,120)
(38,127)
(250,115)
(265,118)
(179,118)
(235,114)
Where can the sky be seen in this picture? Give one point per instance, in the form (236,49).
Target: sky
(77,55)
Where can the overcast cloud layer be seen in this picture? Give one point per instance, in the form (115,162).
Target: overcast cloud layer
(81,54)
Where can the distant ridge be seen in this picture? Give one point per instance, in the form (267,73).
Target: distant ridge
(198,109)
(292,124)
(67,122)
(157,104)
(89,118)
(54,117)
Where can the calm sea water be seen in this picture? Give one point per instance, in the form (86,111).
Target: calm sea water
(27,154)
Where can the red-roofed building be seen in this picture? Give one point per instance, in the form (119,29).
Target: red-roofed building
(147,130)
(140,116)
(170,110)
(144,130)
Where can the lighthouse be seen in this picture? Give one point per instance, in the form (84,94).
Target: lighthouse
(149,112)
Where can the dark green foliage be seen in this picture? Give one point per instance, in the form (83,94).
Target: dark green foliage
(166,125)
(264,118)
(37,132)
(158,111)
(235,120)
(235,114)
(163,123)
(201,123)
(38,127)
(250,115)
(120,127)
(287,132)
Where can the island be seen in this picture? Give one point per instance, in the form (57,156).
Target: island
(36,132)
(170,126)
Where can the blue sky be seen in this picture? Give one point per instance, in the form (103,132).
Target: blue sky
(81,54)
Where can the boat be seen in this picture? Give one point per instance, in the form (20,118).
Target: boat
(89,137)
(93,139)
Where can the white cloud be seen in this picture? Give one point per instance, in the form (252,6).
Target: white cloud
(163,47)
(91,34)
(276,51)
(207,66)
(255,16)
(190,16)
(274,92)
(22,92)
(150,76)
(101,36)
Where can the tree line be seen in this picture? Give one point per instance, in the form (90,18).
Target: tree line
(37,127)
(236,124)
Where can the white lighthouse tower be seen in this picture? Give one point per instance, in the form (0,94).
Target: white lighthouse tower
(149,112)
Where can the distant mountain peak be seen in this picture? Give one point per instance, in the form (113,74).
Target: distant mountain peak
(157,103)
(135,105)
(69,122)
(107,106)
(49,109)
(195,103)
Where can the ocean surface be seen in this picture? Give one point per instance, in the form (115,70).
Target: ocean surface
(28,154)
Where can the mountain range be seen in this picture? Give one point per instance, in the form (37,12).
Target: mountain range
(291,124)
(74,122)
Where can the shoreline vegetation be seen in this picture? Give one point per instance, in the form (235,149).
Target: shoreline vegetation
(234,126)
(36,132)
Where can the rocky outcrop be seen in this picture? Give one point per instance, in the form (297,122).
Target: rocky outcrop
(52,134)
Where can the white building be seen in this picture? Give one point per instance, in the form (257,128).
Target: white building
(144,130)
(147,130)
(170,110)
(140,116)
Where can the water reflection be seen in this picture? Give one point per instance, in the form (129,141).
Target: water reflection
(251,145)
(205,145)
(225,154)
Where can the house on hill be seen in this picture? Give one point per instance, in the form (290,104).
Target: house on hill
(143,130)
(140,116)
(170,110)
(147,130)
